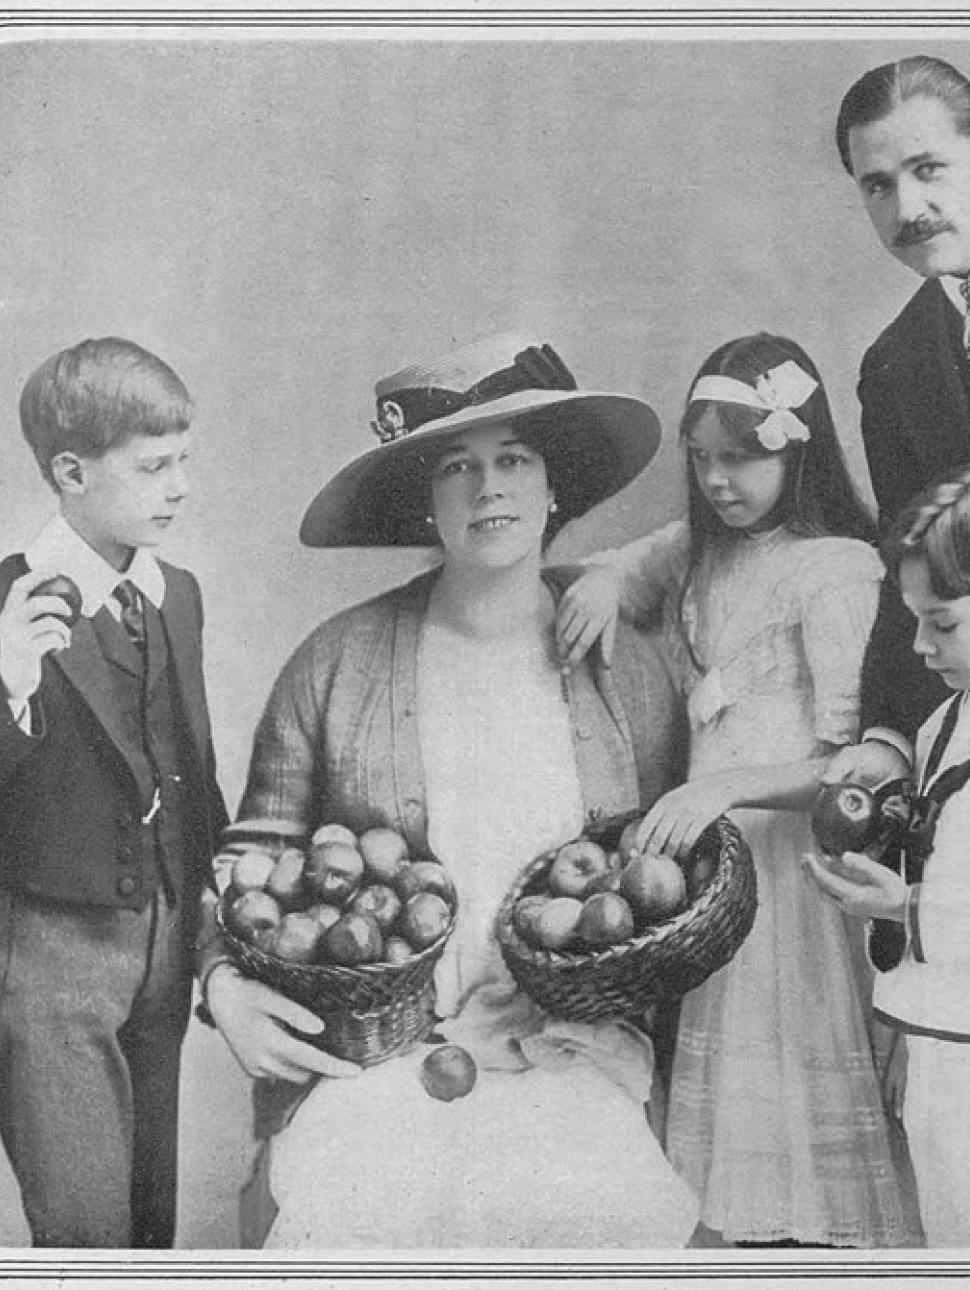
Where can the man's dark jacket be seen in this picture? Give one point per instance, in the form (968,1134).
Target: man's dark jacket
(913,387)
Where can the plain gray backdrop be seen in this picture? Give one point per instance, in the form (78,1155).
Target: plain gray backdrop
(285,221)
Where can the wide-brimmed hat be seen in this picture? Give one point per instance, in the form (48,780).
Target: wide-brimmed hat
(592,443)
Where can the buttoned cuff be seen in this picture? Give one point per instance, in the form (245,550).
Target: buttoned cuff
(883,735)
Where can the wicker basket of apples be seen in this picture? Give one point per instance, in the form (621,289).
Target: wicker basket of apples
(598,929)
(349,926)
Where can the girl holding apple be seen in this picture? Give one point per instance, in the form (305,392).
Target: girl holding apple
(925,998)
(766,593)
(439,710)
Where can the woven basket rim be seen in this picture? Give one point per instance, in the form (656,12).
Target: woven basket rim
(655,933)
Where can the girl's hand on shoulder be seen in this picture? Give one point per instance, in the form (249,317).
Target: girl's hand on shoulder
(676,821)
(860,886)
(588,612)
(253,1019)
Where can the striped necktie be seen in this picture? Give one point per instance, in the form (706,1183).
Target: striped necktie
(132,614)
(965,292)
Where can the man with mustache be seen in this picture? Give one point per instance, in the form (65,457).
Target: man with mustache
(903,134)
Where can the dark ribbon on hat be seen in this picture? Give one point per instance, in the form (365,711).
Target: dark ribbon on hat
(887,941)
(400,412)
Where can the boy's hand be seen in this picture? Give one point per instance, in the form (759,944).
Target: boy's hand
(588,611)
(859,885)
(253,1017)
(29,629)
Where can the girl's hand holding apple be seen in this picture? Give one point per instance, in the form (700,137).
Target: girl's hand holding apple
(859,885)
(253,1019)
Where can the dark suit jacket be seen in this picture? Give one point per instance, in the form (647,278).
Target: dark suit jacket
(71,799)
(915,428)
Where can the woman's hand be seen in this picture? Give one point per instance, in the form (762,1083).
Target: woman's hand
(676,821)
(588,611)
(252,1017)
(859,885)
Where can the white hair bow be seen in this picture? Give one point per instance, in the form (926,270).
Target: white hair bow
(776,392)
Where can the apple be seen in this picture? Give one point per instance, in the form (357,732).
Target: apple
(425,875)
(380,901)
(845,818)
(353,939)
(610,880)
(556,923)
(524,915)
(297,939)
(254,917)
(606,919)
(575,866)
(627,845)
(325,915)
(286,881)
(334,871)
(699,871)
(252,870)
(654,885)
(424,918)
(65,589)
(447,1072)
(397,950)
(384,852)
(333,833)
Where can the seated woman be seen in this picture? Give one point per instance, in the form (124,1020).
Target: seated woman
(439,709)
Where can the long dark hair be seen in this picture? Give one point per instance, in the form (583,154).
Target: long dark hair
(818,497)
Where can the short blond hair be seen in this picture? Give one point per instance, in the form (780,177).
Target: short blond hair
(96,394)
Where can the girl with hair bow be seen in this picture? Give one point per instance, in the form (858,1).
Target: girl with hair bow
(766,593)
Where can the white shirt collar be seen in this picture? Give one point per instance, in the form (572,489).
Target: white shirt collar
(57,548)
(951,286)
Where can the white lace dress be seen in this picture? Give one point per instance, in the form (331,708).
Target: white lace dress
(775,1115)
(551,1149)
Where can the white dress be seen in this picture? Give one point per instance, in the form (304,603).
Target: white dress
(775,1117)
(551,1149)
(928,996)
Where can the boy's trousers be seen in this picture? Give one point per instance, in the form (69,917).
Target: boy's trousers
(94,1004)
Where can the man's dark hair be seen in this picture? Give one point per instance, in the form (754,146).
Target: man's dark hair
(883,89)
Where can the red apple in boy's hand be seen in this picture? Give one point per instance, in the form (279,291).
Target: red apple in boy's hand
(845,818)
(67,590)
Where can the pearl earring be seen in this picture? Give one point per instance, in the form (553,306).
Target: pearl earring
(553,507)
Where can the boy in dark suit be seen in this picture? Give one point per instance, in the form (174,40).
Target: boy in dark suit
(109,806)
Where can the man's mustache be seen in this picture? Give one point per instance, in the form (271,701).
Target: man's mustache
(920,230)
